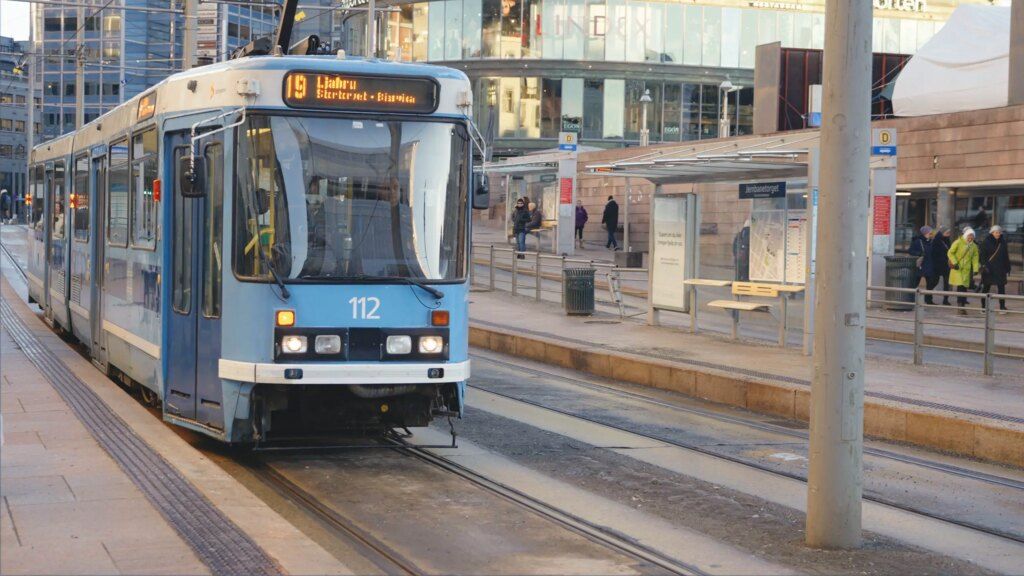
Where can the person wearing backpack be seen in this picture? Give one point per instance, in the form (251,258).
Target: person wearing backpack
(964,264)
(995,264)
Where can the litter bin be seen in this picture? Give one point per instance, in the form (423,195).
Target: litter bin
(579,291)
(900,272)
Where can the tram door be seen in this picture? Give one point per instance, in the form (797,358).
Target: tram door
(193,387)
(98,211)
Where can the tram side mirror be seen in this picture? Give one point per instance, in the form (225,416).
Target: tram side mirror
(481,192)
(190,177)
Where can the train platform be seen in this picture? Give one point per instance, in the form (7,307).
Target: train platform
(940,407)
(94,483)
(944,327)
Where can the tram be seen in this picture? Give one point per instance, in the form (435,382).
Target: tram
(270,247)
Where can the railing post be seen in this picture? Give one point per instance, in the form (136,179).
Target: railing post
(561,278)
(990,336)
(918,328)
(537,276)
(693,309)
(490,262)
(515,269)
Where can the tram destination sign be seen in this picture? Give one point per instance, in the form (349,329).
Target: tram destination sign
(360,92)
(763,190)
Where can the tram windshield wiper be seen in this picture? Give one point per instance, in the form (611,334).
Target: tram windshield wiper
(403,280)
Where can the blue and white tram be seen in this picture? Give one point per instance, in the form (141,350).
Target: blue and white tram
(273,246)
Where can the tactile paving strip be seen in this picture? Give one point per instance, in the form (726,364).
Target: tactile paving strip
(216,540)
(761,375)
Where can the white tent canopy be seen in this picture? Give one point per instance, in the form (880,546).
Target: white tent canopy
(965,66)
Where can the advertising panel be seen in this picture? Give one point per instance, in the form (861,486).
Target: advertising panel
(669,259)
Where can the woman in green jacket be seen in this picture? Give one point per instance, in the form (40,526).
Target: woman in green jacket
(963,265)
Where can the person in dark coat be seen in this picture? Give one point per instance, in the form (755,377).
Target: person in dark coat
(741,252)
(581,221)
(610,219)
(921,246)
(520,218)
(995,264)
(940,263)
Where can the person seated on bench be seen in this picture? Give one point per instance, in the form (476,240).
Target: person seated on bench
(536,217)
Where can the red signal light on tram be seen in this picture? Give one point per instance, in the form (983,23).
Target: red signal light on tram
(156,190)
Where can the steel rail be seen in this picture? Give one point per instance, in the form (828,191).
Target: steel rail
(595,533)
(737,460)
(389,560)
(763,426)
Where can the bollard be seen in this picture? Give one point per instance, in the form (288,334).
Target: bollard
(515,269)
(918,328)
(537,276)
(490,261)
(989,335)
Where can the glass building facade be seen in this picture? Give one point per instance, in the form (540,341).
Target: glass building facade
(125,51)
(535,62)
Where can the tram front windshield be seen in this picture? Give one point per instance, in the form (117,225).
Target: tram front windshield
(335,199)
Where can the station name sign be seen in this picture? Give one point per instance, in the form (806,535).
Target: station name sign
(360,92)
(763,190)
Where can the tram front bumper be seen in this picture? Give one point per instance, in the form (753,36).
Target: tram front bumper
(344,373)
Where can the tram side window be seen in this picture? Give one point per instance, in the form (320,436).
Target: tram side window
(57,200)
(80,200)
(144,217)
(117,195)
(213,253)
(37,199)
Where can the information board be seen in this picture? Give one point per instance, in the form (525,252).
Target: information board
(360,92)
(669,259)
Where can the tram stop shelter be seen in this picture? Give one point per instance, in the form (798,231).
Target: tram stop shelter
(779,174)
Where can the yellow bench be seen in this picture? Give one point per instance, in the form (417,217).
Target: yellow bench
(752,290)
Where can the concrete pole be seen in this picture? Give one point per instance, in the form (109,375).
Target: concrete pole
(1016,93)
(80,75)
(834,482)
(190,43)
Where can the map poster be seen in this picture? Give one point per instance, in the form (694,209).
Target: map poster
(669,258)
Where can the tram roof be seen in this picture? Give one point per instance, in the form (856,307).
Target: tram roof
(211,91)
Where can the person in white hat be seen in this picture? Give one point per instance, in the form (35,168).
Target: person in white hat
(995,264)
(963,265)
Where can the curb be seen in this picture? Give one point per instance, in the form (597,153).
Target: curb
(963,435)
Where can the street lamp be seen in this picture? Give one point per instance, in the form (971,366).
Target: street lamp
(645,133)
(723,125)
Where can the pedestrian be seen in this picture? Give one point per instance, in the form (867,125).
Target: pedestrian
(520,218)
(921,246)
(5,206)
(940,262)
(610,219)
(741,252)
(995,264)
(963,266)
(581,221)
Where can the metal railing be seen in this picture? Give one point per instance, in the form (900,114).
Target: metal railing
(989,349)
(540,274)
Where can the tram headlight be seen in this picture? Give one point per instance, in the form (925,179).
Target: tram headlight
(399,344)
(294,344)
(327,344)
(431,344)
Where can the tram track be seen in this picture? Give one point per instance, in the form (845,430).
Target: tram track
(706,451)
(391,561)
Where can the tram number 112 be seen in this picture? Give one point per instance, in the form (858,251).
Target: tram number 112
(365,308)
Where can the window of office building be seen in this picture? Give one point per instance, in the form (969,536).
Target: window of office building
(593,108)
(613,118)
(550,107)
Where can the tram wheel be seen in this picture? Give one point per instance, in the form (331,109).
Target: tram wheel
(149,398)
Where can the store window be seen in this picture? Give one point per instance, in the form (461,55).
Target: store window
(508,113)
(597,29)
(529,108)
(435,31)
(709,111)
(552,29)
(550,107)
(572,98)
(748,38)
(618,25)
(636,31)
(593,108)
(730,50)
(711,37)
(613,119)
(420,29)
(673,113)
(574,30)
(472,28)
(671,31)
(453,29)
(692,43)
(491,28)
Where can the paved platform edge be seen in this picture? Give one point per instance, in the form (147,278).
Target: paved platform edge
(293,551)
(965,435)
